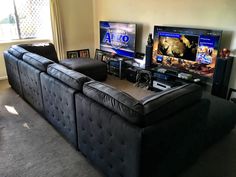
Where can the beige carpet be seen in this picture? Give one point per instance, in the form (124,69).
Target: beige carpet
(30,147)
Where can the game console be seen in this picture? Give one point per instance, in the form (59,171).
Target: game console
(161,70)
(161,85)
(185,76)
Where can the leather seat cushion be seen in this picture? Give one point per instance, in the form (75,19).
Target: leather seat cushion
(90,67)
(37,61)
(71,78)
(114,99)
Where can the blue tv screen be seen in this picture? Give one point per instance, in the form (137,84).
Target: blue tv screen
(118,38)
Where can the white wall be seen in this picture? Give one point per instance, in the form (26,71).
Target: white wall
(77,24)
(2,63)
(213,14)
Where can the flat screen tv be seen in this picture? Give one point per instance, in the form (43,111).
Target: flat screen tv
(186,49)
(118,38)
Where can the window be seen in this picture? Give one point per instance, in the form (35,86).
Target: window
(25,19)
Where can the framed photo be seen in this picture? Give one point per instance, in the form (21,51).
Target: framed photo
(103,55)
(72,54)
(84,53)
(232,95)
(98,54)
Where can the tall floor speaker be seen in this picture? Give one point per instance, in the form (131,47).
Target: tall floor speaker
(148,55)
(222,76)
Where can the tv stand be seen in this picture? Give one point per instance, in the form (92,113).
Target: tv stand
(165,78)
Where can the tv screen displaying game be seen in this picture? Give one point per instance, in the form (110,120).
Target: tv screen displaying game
(118,38)
(186,49)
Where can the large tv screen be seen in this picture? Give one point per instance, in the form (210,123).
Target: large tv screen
(186,49)
(118,38)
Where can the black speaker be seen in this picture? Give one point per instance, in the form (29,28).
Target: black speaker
(131,74)
(149,49)
(222,76)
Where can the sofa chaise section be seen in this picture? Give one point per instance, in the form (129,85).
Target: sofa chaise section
(95,69)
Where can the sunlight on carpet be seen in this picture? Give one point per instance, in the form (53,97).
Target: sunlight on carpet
(11,109)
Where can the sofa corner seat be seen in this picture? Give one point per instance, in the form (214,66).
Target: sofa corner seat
(116,134)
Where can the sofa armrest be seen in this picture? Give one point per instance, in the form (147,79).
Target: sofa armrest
(164,104)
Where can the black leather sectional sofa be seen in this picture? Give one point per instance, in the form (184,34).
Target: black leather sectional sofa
(124,137)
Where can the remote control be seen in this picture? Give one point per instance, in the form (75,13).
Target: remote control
(196,80)
(161,70)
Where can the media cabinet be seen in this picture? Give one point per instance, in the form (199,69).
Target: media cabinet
(116,66)
(164,78)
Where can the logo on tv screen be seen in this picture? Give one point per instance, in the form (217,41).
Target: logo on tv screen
(116,38)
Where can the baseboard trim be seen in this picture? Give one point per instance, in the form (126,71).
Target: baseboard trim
(3,78)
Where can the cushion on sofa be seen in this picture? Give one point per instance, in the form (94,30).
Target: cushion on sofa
(37,61)
(72,78)
(17,51)
(46,50)
(163,104)
(114,99)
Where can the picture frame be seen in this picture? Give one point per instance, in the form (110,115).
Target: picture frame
(98,55)
(72,54)
(103,55)
(83,53)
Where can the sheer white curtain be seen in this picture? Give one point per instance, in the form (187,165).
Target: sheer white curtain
(57,28)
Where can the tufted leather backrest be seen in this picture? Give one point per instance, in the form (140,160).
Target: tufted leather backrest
(37,61)
(72,78)
(163,104)
(17,51)
(116,100)
(11,63)
(31,86)
(109,141)
(151,109)
(59,106)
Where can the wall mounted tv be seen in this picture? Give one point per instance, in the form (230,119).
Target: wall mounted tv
(186,49)
(118,38)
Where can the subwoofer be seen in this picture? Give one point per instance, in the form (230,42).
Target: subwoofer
(222,76)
